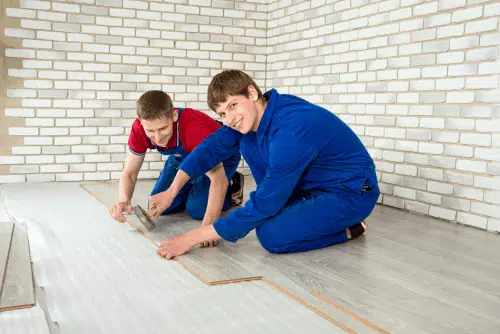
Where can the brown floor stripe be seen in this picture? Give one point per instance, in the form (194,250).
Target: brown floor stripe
(352,314)
(309,306)
(18,307)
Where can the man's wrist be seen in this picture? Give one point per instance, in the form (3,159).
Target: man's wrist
(202,234)
(194,237)
(173,189)
(206,222)
(181,178)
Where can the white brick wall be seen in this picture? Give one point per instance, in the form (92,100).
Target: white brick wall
(85,63)
(417,80)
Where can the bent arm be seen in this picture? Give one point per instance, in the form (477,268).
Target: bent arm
(216,194)
(289,156)
(214,149)
(128,177)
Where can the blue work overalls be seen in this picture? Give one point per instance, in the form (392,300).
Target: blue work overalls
(314,177)
(193,197)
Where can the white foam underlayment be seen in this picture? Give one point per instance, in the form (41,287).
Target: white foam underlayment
(26,321)
(98,276)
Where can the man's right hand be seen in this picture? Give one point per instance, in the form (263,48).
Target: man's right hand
(116,211)
(160,202)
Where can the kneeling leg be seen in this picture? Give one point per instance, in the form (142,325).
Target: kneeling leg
(315,222)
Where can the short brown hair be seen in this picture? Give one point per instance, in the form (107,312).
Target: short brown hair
(229,82)
(155,104)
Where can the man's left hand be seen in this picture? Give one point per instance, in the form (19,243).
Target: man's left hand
(174,246)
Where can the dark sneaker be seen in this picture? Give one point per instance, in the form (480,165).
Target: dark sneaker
(236,187)
(356,230)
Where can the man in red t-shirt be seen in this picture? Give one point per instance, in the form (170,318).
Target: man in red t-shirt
(177,132)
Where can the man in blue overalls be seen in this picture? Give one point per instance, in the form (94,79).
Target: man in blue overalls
(316,182)
(175,132)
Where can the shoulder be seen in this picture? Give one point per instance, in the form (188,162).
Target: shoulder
(297,117)
(137,128)
(189,115)
(138,142)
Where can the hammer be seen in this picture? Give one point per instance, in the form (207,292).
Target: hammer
(144,218)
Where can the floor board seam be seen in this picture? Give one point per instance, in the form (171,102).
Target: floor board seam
(352,314)
(309,306)
(17,307)
(269,282)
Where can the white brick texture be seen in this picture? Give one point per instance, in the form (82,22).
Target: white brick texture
(434,77)
(418,81)
(83,68)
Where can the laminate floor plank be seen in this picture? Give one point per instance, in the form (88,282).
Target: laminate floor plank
(6,230)
(18,288)
(473,241)
(439,257)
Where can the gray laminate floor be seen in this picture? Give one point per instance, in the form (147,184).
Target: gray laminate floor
(407,274)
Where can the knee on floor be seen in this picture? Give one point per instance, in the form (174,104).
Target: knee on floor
(195,211)
(272,245)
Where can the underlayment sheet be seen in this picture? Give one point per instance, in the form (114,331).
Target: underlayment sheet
(17,290)
(99,276)
(3,213)
(25,321)
(407,274)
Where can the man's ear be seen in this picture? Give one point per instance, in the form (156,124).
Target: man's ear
(175,116)
(252,93)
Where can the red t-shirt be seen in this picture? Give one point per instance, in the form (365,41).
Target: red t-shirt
(194,127)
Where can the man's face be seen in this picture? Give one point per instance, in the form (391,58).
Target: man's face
(239,113)
(160,130)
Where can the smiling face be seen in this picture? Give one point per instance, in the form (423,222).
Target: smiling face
(241,113)
(160,130)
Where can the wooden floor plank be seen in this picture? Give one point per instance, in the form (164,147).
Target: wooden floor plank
(439,256)
(6,230)
(474,242)
(407,274)
(18,290)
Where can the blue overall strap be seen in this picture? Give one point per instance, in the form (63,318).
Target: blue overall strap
(179,112)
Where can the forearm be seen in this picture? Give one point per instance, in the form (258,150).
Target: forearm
(216,196)
(181,178)
(126,187)
(203,234)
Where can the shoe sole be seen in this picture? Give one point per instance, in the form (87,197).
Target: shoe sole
(237,198)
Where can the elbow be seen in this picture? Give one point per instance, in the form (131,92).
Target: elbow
(221,182)
(130,176)
(218,177)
